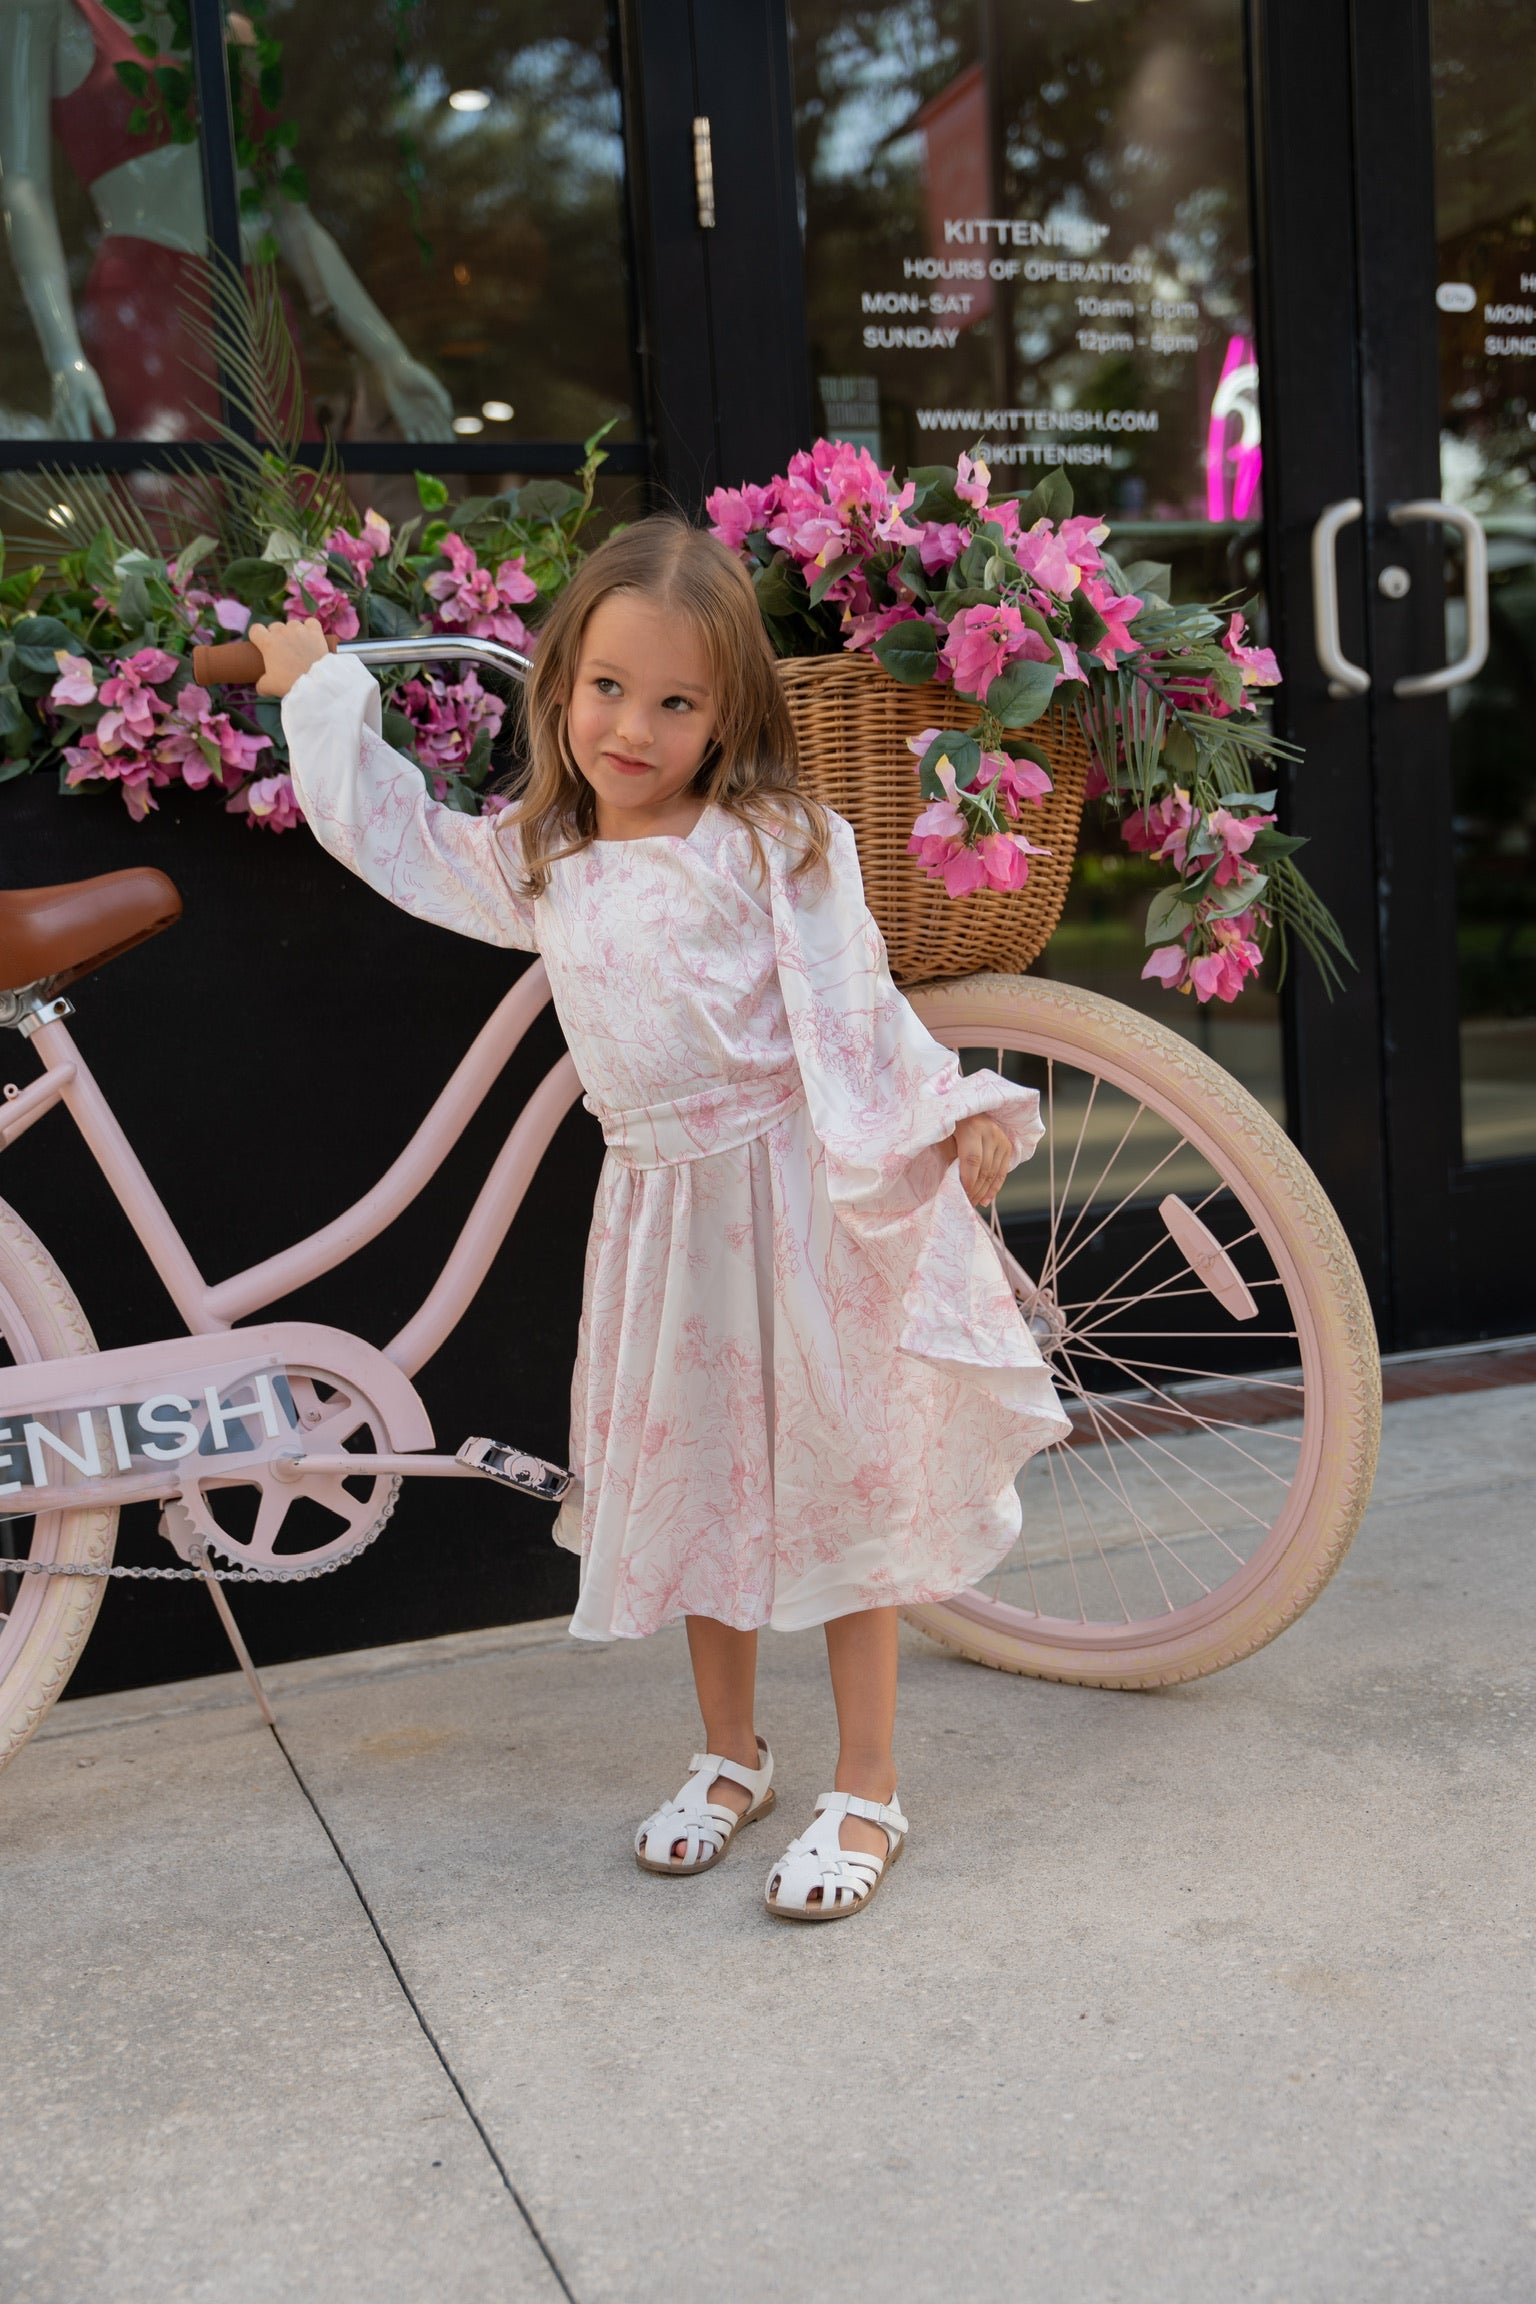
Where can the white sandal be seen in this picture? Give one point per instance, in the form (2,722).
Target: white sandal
(706,1827)
(847,1877)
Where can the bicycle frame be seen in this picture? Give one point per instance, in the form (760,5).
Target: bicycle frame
(211,1310)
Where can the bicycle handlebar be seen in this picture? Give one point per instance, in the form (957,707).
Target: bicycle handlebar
(239,663)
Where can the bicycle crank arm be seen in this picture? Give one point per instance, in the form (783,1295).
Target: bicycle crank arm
(476,1460)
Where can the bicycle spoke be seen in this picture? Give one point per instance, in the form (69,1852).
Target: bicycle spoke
(1216,1434)
(1126,1438)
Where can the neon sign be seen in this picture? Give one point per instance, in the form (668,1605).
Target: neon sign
(1233,457)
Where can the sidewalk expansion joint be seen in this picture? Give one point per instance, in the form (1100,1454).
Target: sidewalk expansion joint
(427,2032)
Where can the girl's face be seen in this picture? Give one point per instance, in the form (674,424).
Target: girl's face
(641,717)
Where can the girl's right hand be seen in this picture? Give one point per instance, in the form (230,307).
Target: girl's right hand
(288,651)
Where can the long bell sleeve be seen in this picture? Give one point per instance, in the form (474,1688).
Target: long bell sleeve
(369,807)
(883,1097)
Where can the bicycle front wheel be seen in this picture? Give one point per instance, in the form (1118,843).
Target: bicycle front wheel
(1209,1333)
(46,1618)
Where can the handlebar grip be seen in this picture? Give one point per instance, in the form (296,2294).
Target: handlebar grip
(235,663)
(232,664)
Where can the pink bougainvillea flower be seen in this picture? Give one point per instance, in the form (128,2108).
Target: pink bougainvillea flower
(470,599)
(981,641)
(1117,610)
(1166,965)
(917,745)
(270,804)
(232,615)
(206,745)
(1258,665)
(1041,554)
(1097,783)
(864,631)
(76,683)
(1016,780)
(1071,669)
(836,500)
(1080,539)
(311,591)
(1236,834)
(448,718)
(972,481)
(360,552)
(734,513)
(939,544)
(1221,975)
(1164,830)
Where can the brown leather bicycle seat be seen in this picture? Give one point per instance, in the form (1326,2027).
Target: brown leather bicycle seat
(54,935)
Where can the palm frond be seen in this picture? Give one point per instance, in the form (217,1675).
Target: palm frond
(54,511)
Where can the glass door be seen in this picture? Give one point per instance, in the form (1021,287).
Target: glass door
(1027,223)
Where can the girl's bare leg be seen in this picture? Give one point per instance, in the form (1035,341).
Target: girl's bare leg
(861,1651)
(725,1676)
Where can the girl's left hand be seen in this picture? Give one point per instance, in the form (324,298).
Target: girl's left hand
(985,1153)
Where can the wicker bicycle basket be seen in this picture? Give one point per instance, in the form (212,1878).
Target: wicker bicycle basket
(852,721)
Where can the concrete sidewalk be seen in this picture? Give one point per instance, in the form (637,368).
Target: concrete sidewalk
(1217,1995)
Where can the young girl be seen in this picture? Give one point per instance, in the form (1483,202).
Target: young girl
(803,1389)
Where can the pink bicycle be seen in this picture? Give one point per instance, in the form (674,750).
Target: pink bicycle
(1190,1517)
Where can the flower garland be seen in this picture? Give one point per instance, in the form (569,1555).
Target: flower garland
(95,656)
(1015,604)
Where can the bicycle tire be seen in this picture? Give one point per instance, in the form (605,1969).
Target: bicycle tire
(49,1618)
(1032,1020)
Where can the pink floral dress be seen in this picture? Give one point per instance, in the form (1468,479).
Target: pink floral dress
(802,1384)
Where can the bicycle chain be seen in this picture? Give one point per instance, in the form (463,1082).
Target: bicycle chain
(207,1572)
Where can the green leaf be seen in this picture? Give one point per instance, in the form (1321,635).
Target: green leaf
(1269,845)
(1148,579)
(779,587)
(935,498)
(909,651)
(398,730)
(386,619)
(470,511)
(269,85)
(190,554)
(43,632)
(259,583)
(12,716)
(293,183)
(915,576)
(1021,692)
(1088,626)
(548,500)
(1049,499)
(431,492)
(1167,917)
(826,577)
(16,590)
(1234,800)
(134,78)
(1236,899)
(961,751)
(174,84)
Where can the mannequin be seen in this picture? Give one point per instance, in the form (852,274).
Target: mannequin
(126,363)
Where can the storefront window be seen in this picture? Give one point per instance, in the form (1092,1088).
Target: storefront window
(1485,135)
(441,187)
(1027,225)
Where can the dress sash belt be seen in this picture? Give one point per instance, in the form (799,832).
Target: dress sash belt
(714,1119)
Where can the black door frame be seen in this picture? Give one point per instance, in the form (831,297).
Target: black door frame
(1346,246)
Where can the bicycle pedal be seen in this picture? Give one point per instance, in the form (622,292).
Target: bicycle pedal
(530,1475)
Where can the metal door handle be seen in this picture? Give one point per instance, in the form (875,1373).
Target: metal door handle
(1475,546)
(703,173)
(1344,678)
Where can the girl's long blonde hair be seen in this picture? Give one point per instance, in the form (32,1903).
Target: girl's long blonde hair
(752,765)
